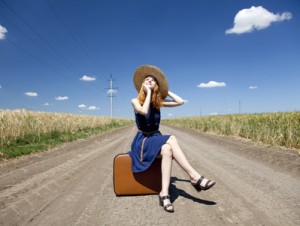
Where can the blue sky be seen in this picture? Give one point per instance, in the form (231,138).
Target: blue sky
(222,57)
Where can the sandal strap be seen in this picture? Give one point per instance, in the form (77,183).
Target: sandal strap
(200,180)
(165,197)
(207,183)
(168,205)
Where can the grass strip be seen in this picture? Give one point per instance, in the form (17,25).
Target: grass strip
(31,143)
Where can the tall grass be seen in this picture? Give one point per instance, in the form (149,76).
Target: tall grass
(23,132)
(277,129)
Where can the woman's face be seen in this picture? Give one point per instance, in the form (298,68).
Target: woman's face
(150,82)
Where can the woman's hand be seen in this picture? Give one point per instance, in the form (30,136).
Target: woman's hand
(146,88)
(175,100)
(142,109)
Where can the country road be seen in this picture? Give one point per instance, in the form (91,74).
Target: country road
(73,185)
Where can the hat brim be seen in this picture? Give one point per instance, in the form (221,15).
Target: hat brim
(145,70)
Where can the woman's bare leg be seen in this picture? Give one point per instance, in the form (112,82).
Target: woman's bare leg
(166,168)
(182,161)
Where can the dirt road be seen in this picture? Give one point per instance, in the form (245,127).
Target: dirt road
(72,185)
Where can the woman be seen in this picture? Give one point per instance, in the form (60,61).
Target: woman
(152,86)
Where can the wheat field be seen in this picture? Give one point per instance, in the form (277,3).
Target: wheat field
(24,132)
(22,128)
(276,129)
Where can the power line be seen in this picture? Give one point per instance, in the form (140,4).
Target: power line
(35,31)
(51,29)
(36,43)
(86,52)
(40,46)
(38,59)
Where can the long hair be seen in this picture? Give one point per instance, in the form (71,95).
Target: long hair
(156,98)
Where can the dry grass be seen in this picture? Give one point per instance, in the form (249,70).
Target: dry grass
(24,128)
(277,129)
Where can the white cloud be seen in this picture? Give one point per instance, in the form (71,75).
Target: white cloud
(2,32)
(31,94)
(0,87)
(61,98)
(82,106)
(87,78)
(112,91)
(253,87)
(93,108)
(48,104)
(247,20)
(212,84)
(214,113)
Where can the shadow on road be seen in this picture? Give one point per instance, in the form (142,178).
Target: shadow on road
(175,193)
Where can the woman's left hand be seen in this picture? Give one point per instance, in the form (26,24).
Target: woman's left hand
(176,100)
(146,88)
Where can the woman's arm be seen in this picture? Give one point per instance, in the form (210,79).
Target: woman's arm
(175,100)
(138,108)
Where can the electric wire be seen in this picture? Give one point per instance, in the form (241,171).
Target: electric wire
(38,34)
(69,65)
(73,36)
(50,28)
(85,51)
(45,41)
(43,62)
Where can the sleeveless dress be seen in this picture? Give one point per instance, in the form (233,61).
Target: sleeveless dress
(148,140)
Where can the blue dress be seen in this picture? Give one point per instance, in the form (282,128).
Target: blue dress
(148,140)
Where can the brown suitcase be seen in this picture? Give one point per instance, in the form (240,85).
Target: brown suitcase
(128,183)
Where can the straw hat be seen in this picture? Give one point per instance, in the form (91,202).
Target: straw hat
(145,70)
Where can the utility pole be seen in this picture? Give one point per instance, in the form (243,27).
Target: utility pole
(240,106)
(110,92)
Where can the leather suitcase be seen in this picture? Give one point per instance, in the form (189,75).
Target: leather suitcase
(128,183)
